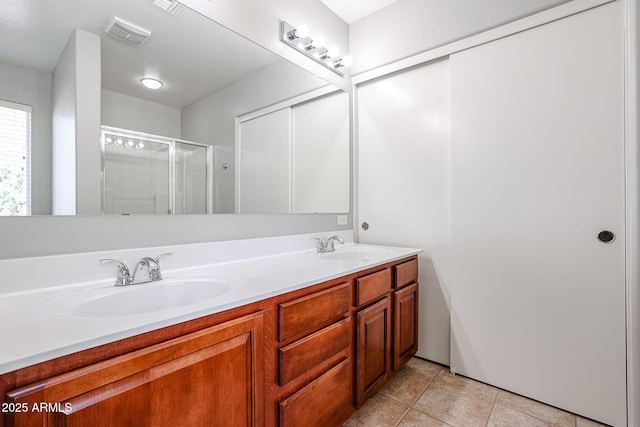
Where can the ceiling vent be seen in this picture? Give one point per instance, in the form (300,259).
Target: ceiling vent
(174,7)
(127,31)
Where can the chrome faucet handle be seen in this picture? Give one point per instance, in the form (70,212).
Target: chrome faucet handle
(152,265)
(159,257)
(158,274)
(319,243)
(329,243)
(124,277)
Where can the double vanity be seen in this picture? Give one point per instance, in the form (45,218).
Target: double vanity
(267,332)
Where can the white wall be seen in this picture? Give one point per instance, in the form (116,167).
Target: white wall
(31,87)
(408,27)
(126,112)
(64,132)
(76,127)
(88,82)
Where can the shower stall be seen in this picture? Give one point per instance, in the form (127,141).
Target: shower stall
(150,174)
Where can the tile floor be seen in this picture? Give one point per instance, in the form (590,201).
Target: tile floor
(425,394)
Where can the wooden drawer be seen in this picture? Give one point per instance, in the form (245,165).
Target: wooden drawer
(372,286)
(304,354)
(312,312)
(324,402)
(406,273)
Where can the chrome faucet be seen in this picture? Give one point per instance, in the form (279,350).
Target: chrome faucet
(326,245)
(148,264)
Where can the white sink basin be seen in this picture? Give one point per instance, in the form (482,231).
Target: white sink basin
(114,301)
(350,253)
(142,300)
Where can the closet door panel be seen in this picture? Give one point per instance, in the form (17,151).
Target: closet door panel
(264,164)
(538,302)
(404,183)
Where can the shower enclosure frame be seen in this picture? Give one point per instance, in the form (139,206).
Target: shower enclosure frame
(171,144)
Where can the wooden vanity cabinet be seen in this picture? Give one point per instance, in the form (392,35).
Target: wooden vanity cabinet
(215,374)
(386,325)
(307,357)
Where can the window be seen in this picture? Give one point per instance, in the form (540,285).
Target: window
(15,159)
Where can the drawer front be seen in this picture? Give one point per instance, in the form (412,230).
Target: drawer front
(304,354)
(310,313)
(372,286)
(324,402)
(406,273)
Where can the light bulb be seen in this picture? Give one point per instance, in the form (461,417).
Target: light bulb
(318,41)
(301,32)
(333,51)
(129,144)
(140,145)
(108,139)
(151,83)
(118,141)
(347,61)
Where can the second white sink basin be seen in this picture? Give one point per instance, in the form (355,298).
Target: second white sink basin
(163,296)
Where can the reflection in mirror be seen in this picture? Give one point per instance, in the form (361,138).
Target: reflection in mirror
(76,78)
(147,174)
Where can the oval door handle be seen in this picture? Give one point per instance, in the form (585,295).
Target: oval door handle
(606,236)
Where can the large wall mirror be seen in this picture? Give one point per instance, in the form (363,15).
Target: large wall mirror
(233,127)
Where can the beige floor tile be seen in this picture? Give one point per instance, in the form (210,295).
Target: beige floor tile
(584,422)
(424,367)
(406,385)
(501,416)
(418,419)
(466,385)
(454,406)
(379,411)
(536,409)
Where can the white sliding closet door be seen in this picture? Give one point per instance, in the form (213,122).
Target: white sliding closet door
(264,164)
(404,183)
(538,302)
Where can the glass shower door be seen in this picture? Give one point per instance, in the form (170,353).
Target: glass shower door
(149,174)
(136,175)
(190,172)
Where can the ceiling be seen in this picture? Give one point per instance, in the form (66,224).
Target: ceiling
(191,54)
(353,10)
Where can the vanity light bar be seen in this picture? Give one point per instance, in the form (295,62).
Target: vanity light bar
(299,39)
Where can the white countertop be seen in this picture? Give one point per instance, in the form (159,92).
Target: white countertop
(43,323)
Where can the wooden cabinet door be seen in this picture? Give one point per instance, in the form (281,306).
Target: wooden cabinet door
(213,377)
(405,325)
(373,349)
